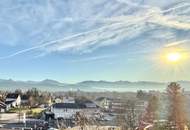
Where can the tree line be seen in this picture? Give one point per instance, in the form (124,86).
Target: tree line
(176,118)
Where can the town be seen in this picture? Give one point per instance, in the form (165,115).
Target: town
(94,65)
(37,110)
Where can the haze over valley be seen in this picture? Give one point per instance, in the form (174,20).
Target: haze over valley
(89,86)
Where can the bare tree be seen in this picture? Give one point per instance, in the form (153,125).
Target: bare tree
(81,120)
(177,114)
(151,112)
(121,121)
(131,114)
(126,117)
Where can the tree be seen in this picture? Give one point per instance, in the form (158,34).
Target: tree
(18,91)
(177,115)
(121,121)
(131,114)
(34,95)
(151,112)
(142,95)
(126,118)
(81,120)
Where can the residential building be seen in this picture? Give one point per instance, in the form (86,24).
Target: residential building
(104,102)
(68,110)
(118,105)
(140,106)
(89,104)
(12,100)
(58,100)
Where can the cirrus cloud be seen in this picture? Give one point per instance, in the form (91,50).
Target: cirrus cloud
(84,29)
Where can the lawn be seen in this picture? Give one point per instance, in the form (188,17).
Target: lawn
(31,112)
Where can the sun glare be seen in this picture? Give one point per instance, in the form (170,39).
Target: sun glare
(174,57)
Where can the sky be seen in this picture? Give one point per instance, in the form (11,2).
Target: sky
(77,40)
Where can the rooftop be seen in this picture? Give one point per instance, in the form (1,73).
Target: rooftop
(102,98)
(12,95)
(69,105)
(9,102)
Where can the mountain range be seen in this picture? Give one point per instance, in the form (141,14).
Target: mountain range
(90,86)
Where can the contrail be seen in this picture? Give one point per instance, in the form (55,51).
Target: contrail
(117,24)
(55,41)
(154,20)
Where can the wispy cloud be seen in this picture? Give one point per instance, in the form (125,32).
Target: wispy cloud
(176,43)
(87,30)
(94,58)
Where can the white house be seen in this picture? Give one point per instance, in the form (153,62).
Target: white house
(58,100)
(104,102)
(12,100)
(66,110)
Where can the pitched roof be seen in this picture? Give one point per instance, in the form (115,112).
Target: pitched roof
(9,102)
(83,101)
(69,105)
(89,102)
(102,98)
(12,95)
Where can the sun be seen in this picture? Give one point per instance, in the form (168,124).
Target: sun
(171,59)
(174,57)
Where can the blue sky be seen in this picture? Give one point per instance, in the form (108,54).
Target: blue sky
(76,40)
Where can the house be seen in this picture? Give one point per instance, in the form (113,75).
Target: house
(12,100)
(91,109)
(140,106)
(104,102)
(118,105)
(58,100)
(89,104)
(66,110)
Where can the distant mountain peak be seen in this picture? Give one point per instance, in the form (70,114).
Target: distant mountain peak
(49,81)
(89,85)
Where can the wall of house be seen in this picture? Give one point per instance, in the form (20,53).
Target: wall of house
(18,101)
(64,113)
